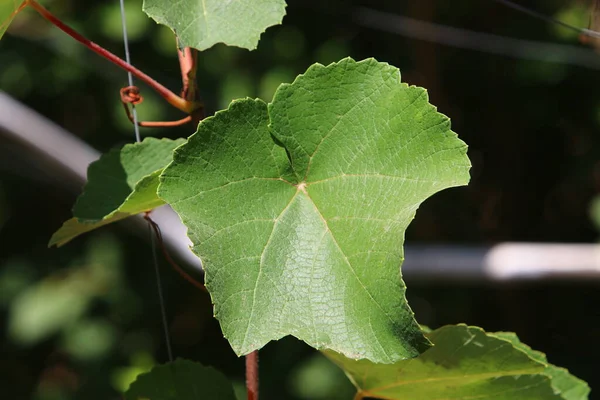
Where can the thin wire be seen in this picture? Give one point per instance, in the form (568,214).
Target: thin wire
(543,17)
(163,311)
(136,128)
(129,75)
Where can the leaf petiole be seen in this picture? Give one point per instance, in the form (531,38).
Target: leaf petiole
(252,375)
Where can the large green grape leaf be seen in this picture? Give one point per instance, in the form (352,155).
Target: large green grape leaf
(464,363)
(181,380)
(204,23)
(311,245)
(8,10)
(122,183)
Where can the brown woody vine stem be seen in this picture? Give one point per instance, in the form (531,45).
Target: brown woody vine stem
(252,375)
(176,101)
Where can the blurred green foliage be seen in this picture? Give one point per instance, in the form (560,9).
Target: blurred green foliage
(57,303)
(314,379)
(533,130)
(575,14)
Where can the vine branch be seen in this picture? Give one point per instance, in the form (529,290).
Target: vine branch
(180,103)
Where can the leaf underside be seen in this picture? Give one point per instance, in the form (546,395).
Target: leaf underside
(122,183)
(181,380)
(203,23)
(298,209)
(465,363)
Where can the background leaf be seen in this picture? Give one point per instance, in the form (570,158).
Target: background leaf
(464,362)
(312,248)
(204,23)
(181,380)
(120,184)
(8,10)
(58,302)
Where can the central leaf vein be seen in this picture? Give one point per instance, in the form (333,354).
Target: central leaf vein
(261,264)
(347,262)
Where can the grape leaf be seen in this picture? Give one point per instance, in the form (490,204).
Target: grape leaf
(8,10)
(204,23)
(464,363)
(311,245)
(569,386)
(181,380)
(121,183)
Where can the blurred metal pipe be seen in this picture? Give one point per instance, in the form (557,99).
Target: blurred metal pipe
(59,153)
(56,153)
(502,262)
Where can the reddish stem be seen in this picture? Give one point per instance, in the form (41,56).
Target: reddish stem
(252,375)
(188,62)
(156,124)
(169,96)
(165,124)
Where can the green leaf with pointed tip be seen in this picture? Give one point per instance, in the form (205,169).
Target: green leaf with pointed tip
(569,386)
(203,23)
(464,363)
(181,380)
(8,10)
(121,183)
(312,248)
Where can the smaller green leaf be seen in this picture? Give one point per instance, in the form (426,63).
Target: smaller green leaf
(465,362)
(181,380)
(8,10)
(569,386)
(202,24)
(120,184)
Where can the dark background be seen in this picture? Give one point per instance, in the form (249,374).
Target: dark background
(78,322)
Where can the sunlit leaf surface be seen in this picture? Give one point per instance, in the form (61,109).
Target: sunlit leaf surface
(311,245)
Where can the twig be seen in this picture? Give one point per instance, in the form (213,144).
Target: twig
(161,244)
(586,32)
(466,39)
